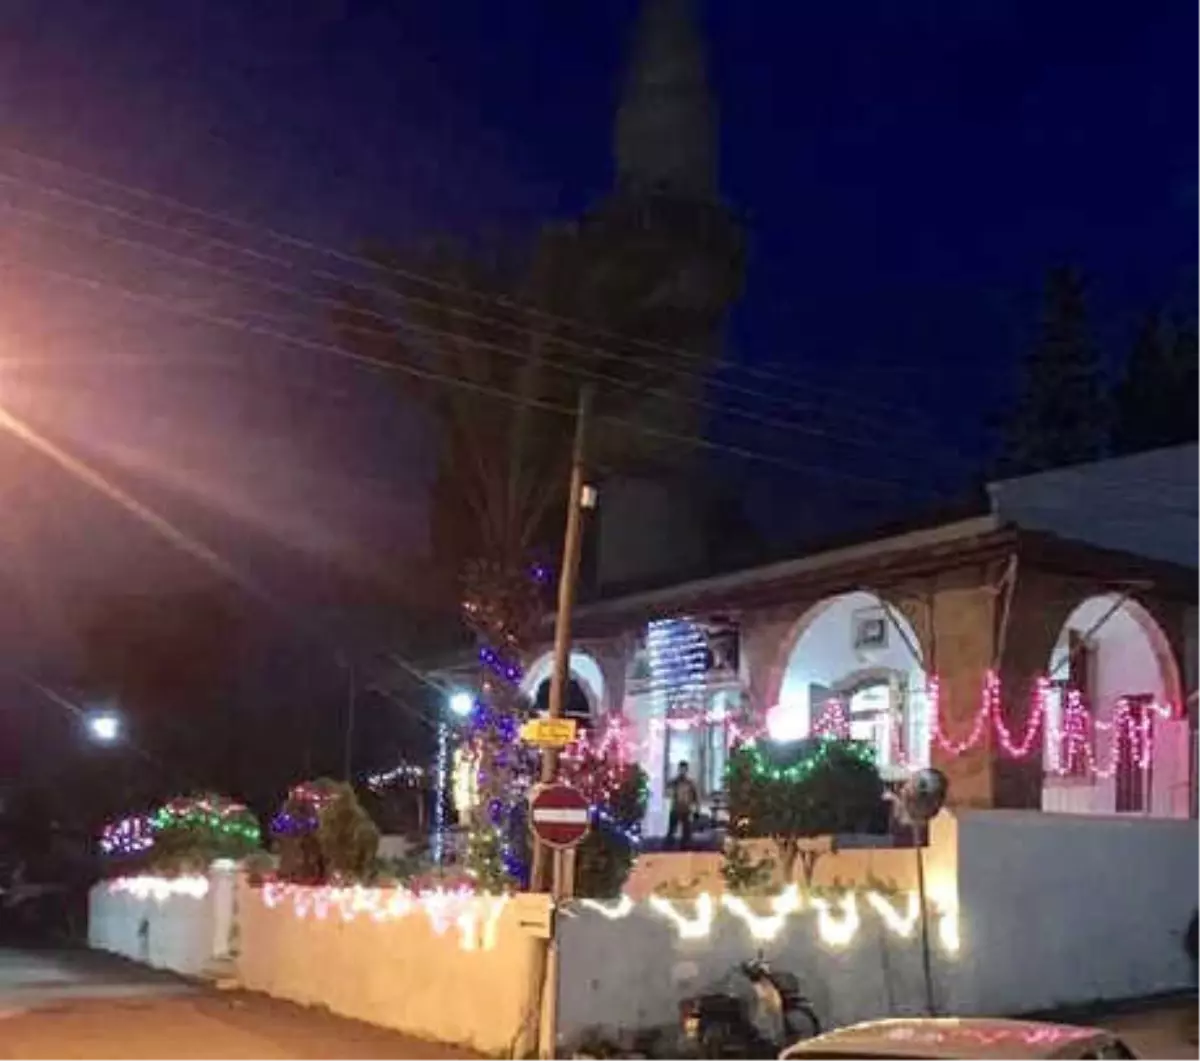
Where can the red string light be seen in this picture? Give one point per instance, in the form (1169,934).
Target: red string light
(1069,744)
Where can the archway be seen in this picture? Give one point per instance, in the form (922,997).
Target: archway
(855,669)
(1114,741)
(585,691)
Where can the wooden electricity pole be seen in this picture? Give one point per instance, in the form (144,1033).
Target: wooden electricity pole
(567,579)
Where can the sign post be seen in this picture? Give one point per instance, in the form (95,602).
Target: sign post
(560,818)
(549,732)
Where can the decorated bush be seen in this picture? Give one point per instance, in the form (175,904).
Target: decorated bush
(323,834)
(190,832)
(802,790)
(615,786)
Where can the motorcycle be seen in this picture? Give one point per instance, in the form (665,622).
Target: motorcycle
(729,1024)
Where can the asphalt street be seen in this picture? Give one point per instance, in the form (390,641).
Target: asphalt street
(65,1003)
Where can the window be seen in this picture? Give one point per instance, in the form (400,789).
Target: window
(871,720)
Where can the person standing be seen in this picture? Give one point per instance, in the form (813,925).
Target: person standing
(681,791)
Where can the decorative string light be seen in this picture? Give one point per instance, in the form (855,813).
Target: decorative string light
(835,929)
(1068,745)
(408,774)
(476,917)
(623,907)
(132,835)
(212,813)
(834,932)
(900,924)
(678,657)
(812,760)
(765,927)
(301,812)
(698,927)
(1069,749)
(160,889)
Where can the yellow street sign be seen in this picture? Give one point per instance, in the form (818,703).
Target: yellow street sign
(549,732)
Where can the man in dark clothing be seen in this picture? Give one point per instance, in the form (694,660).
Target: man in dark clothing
(684,799)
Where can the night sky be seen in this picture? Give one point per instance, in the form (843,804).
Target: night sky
(907,173)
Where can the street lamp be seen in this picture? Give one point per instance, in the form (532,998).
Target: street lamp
(104,727)
(461,704)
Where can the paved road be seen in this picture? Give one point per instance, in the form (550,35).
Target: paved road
(68,1004)
(76,1004)
(1162,1032)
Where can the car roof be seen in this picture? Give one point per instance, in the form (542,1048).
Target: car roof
(951,1037)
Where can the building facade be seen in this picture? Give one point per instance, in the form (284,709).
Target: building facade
(1035,671)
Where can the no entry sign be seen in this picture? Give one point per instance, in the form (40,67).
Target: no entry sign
(559,815)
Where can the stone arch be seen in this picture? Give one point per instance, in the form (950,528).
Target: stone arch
(585,673)
(1115,648)
(855,599)
(824,656)
(1112,620)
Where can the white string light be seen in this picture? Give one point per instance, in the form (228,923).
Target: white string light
(160,889)
(835,929)
(698,927)
(900,924)
(765,927)
(444,909)
(621,908)
(838,933)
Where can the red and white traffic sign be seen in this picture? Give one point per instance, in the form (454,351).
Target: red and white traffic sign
(559,815)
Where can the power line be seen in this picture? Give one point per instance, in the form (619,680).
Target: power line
(401,322)
(408,298)
(393,269)
(381,364)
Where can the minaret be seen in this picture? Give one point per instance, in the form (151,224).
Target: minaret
(665,138)
(663,265)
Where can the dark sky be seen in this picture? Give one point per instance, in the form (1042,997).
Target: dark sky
(907,171)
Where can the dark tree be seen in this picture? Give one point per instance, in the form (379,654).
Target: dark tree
(1060,417)
(1155,400)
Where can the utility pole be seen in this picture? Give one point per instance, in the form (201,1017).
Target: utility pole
(567,579)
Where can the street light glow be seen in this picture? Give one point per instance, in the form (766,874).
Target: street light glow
(104,728)
(461,704)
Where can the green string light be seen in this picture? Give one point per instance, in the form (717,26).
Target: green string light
(232,820)
(817,757)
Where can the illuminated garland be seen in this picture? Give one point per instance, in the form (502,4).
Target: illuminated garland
(300,814)
(678,658)
(476,917)
(599,765)
(217,815)
(1069,747)
(502,606)
(160,889)
(132,835)
(838,920)
(815,757)
(405,775)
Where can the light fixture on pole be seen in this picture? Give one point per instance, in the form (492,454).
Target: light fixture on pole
(104,727)
(461,704)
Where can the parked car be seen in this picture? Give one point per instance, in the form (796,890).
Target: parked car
(948,1037)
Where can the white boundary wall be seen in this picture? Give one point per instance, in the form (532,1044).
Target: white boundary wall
(1053,910)
(459,973)
(182,925)
(1061,909)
